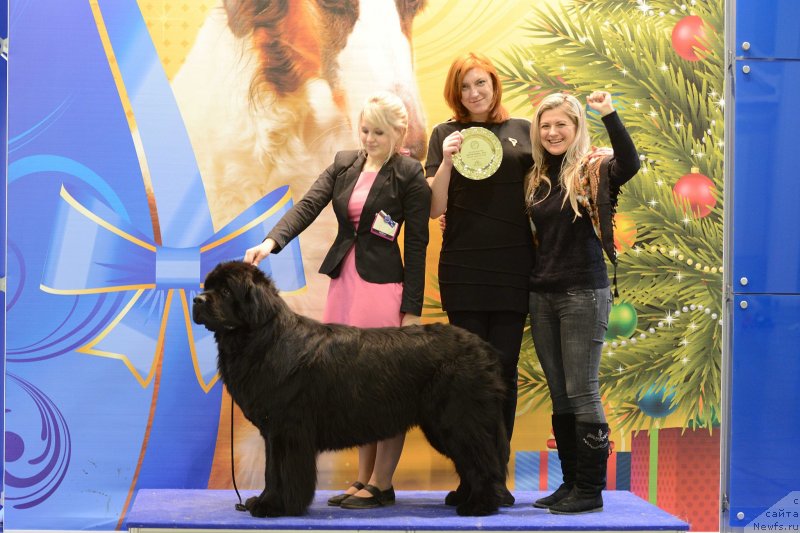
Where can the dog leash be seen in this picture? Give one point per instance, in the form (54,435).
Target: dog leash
(239,506)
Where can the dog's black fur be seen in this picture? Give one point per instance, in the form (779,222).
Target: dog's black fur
(311,387)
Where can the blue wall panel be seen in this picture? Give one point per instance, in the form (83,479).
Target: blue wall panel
(764,261)
(764,462)
(766,254)
(771,28)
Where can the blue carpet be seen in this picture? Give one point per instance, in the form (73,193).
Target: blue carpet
(414,511)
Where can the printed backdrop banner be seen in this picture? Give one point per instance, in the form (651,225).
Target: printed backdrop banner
(3,117)
(149,140)
(110,385)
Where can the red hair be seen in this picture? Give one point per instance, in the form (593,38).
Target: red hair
(455,78)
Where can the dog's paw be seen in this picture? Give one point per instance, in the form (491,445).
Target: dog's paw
(253,506)
(261,507)
(506,498)
(456,497)
(471,508)
(250,502)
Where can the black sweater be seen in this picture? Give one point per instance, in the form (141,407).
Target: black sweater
(487,247)
(569,255)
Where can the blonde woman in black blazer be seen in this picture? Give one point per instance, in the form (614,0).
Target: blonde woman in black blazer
(375,191)
(398,192)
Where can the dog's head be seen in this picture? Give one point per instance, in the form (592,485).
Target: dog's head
(235,296)
(302,40)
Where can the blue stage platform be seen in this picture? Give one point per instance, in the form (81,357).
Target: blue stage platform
(161,510)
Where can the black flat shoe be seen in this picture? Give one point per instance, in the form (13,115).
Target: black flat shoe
(336,501)
(379,498)
(387,496)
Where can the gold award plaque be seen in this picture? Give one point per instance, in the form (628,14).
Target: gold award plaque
(480,154)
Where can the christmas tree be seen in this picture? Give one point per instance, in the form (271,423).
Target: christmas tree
(662,61)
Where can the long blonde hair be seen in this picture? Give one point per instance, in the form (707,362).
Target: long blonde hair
(568,175)
(387,111)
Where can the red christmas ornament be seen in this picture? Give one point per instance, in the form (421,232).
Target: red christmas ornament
(698,190)
(687,36)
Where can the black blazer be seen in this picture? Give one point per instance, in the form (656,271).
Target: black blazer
(400,189)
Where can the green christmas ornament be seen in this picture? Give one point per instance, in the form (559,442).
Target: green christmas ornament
(621,321)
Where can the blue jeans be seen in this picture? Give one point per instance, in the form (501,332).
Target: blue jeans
(568,329)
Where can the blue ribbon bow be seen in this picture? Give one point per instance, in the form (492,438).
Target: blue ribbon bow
(94,249)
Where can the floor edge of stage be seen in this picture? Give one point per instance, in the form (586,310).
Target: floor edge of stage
(156,510)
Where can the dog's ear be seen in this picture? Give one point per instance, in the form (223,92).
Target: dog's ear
(287,33)
(242,14)
(262,297)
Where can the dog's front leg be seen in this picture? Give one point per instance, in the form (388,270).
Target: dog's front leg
(267,503)
(291,474)
(296,458)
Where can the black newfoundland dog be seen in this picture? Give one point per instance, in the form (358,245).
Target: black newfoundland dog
(310,387)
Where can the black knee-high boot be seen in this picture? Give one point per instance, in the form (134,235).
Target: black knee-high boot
(590,479)
(566,443)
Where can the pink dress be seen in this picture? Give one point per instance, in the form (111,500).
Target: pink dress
(351,300)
